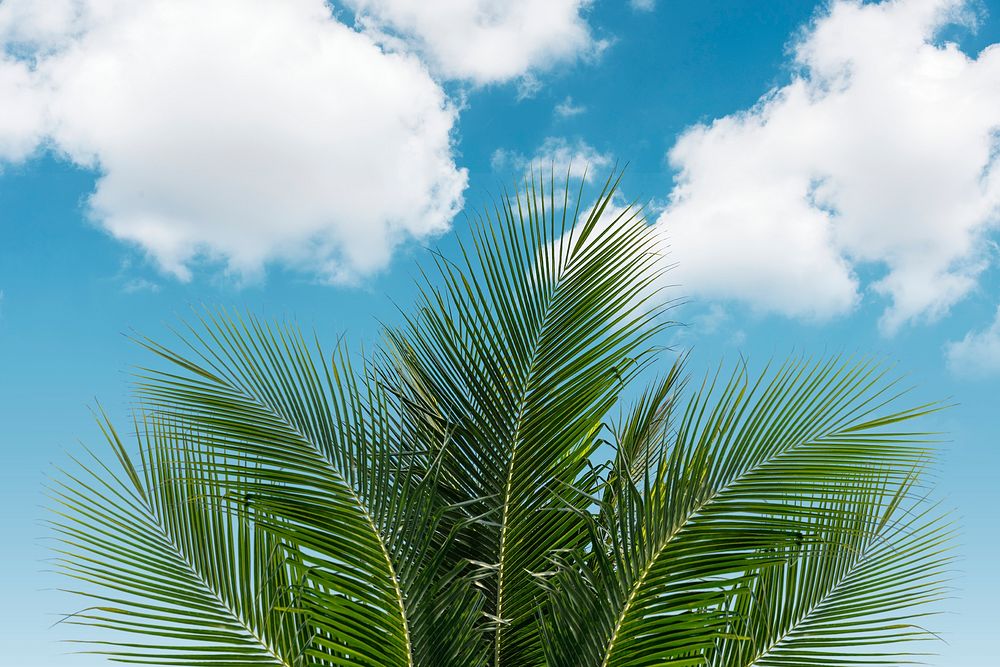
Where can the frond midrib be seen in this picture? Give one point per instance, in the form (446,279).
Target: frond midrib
(397,588)
(539,334)
(645,572)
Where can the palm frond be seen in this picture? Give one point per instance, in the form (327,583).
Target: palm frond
(743,483)
(443,502)
(850,592)
(520,355)
(186,576)
(318,450)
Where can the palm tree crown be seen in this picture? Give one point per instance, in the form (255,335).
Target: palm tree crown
(475,492)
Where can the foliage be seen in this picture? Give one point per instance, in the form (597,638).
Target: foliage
(449,500)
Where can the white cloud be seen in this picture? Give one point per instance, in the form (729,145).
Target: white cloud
(710,321)
(556,153)
(567,109)
(643,5)
(483,41)
(139,285)
(528,86)
(978,354)
(880,154)
(22,117)
(242,131)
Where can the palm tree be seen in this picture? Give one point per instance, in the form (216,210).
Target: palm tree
(475,492)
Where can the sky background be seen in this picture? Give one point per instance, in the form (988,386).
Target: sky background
(825,174)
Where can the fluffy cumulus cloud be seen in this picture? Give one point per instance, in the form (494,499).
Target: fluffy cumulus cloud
(978,354)
(556,153)
(22,118)
(878,158)
(240,131)
(483,41)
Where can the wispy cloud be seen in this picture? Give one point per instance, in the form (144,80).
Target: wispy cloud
(978,353)
(713,320)
(557,153)
(138,285)
(567,109)
(528,85)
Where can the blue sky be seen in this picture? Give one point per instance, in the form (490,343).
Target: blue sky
(825,175)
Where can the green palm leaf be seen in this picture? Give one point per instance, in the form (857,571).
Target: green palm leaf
(192,576)
(848,594)
(443,502)
(744,484)
(520,355)
(325,454)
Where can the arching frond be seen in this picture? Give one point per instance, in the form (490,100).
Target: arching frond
(178,569)
(746,485)
(520,353)
(849,596)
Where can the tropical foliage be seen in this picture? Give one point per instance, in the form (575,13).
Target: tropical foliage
(487,487)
